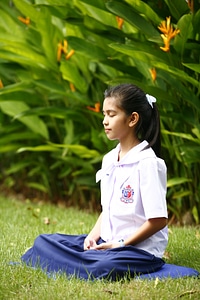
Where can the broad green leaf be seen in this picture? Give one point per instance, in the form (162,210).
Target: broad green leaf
(186,136)
(16,167)
(177,181)
(125,69)
(16,87)
(196,131)
(51,86)
(144,9)
(69,128)
(19,136)
(100,15)
(190,153)
(84,180)
(49,37)
(196,22)
(11,39)
(177,8)
(149,48)
(136,53)
(52,2)
(186,28)
(194,67)
(41,148)
(71,73)
(177,85)
(181,194)
(28,10)
(177,73)
(184,116)
(192,46)
(127,13)
(96,4)
(52,111)
(195,214)
(22,52)
(88,49)
(56,112)
(79,150)
(10,26)
(9,148)
(38,186)
(20,96)
(12,108)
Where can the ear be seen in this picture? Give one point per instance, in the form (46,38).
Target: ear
(134,118)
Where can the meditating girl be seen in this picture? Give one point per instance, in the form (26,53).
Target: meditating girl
(130,235)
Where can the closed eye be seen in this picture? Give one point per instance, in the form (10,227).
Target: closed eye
(110,113)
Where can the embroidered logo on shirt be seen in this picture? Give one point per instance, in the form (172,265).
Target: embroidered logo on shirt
(127,194)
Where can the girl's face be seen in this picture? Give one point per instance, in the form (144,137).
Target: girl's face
(117,125)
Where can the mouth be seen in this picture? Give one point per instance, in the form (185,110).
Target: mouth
(107,130)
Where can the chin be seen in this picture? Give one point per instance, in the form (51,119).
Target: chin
(111,138)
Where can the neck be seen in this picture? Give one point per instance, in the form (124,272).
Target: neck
(126,147)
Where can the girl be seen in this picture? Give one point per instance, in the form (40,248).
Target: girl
(130,235)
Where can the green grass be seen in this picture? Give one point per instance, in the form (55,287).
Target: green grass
(21,222)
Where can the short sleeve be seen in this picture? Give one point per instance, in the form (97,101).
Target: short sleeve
(153,186)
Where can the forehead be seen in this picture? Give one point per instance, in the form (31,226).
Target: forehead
(110,103)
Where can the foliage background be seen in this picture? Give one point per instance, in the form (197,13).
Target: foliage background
(56,60)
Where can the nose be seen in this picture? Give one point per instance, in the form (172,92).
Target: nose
(105,121)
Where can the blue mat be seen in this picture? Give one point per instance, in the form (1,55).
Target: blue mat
(171,271)
(167,271)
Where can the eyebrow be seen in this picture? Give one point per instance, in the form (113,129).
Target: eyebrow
(109,111)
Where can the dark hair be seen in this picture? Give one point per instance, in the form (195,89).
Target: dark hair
(132,99)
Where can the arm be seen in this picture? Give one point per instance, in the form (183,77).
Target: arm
(93,236)
(150,227)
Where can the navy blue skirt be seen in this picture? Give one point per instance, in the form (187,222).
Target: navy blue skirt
(65,253)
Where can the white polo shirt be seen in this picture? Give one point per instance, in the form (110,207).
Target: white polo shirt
(133,190)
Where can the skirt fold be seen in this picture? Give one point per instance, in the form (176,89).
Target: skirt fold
(65,253)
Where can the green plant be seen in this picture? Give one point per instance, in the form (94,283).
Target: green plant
(58,64)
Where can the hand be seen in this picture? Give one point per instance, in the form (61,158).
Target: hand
(89,243)
(108,245)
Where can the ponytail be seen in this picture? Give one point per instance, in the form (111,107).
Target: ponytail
(152,135)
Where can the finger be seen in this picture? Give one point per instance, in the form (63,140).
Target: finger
(100,247)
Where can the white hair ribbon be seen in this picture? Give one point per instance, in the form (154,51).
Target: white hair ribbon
(151,99)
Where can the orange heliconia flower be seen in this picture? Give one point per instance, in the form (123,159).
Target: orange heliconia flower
(120,22)
(71,52)
(63,48)
(166,42)
(26,20)
(153,73)
(96,107)
(168,33)
(1,84)
(72,87)
(59,51)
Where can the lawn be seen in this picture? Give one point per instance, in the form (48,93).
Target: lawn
(21,222)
